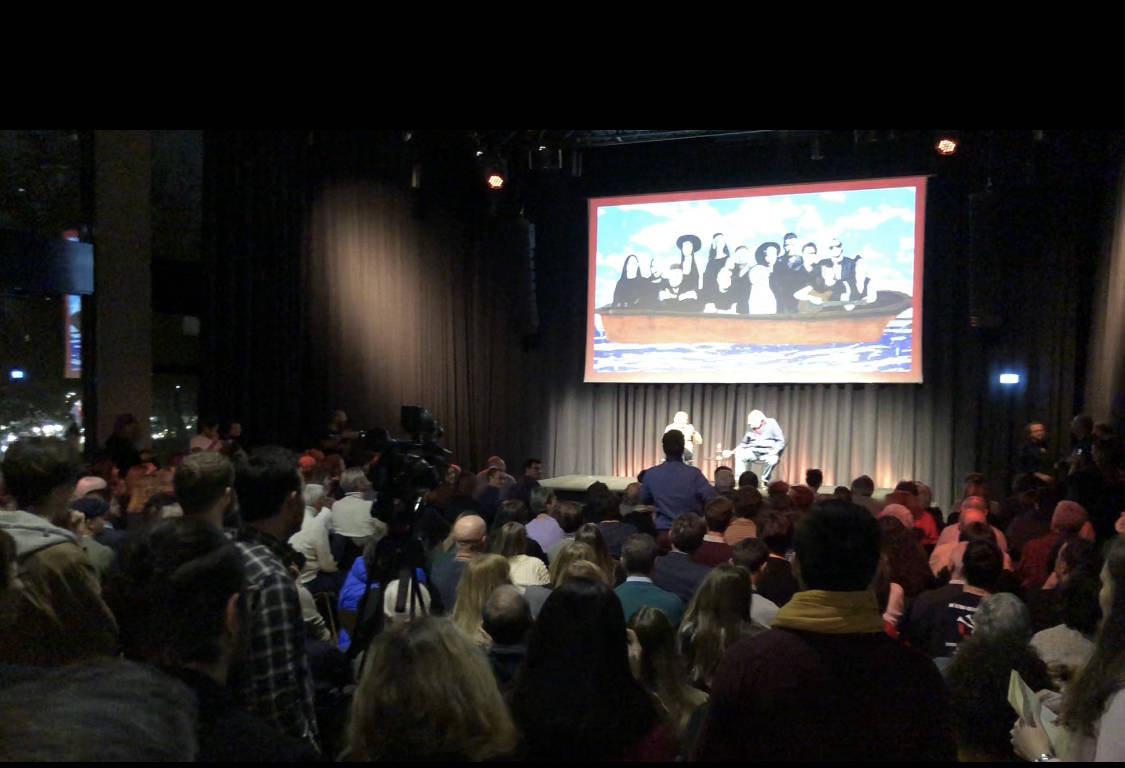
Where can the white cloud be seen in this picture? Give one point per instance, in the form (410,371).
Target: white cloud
(868,218)
(906,243)
(833,197)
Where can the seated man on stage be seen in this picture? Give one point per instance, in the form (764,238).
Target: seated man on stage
(763,443)
(691,435)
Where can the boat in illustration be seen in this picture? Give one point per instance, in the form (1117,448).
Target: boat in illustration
(813,325)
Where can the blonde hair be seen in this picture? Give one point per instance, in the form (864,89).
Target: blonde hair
(571,551)
(582,569)
(591,534)
(483,574)
(427,690)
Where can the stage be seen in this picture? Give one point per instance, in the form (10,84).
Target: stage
(573,487)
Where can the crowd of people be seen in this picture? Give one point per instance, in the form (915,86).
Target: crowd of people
(773,279)
(262,604)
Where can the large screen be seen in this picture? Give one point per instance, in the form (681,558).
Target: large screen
(798,283)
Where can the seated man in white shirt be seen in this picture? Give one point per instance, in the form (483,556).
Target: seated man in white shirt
(319,572)
(351,515)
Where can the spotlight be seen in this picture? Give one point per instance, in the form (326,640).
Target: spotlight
(946,146)
(495,171)
(495,181)
(16,374)
(1009,378)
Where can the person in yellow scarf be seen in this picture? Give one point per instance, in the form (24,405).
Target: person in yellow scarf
(826,682)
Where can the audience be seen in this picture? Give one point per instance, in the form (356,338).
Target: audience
(481,576)
(58,616)
(506,619)
(662,674)
(638,555)
(575,698)
(536,595)
(826,680)
(717,616)
(717,513)
(752,555)
(615,530)
(676,571)
(428,693)
(747,504)
(1067,522)
(591,534)
(277,685)
(544,528)
(570,520)
(674,488)
(776,582)
(511,542)
(471,541)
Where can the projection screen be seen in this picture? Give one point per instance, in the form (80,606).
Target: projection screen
(802,283)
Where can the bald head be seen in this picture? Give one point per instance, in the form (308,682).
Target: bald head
(970,515)
(469,533)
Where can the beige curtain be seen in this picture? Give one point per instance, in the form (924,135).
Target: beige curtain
(1105,380)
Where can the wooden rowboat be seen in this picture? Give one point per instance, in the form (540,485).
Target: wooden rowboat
(812,326)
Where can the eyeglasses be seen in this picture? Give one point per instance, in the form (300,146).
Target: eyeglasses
(835,247)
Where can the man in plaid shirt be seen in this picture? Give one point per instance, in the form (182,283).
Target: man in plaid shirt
(276,682)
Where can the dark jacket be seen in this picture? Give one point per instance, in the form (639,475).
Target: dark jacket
(679,574)
(795,695)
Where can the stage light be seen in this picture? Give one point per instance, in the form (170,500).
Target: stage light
(1009,378)
(16,374)
(946,146)
(495,181)
(495,171)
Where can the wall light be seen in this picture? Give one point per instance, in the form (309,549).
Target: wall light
(16,373)
(1009,378)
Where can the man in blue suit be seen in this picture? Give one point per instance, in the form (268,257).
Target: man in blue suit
(638,554)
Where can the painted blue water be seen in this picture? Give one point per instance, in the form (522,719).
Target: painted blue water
(890,353)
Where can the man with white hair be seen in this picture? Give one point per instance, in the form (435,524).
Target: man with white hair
(763,443)
(691,434)
(471,539)
(951,533)
(351,516)
(319,573)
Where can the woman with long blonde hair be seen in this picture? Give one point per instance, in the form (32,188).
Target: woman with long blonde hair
(483,574)
(428,692)
(590,534)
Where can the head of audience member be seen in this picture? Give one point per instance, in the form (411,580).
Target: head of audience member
(180,598)
(687,533)
(543,501)
(747,503)
(1081,426)
(510,540)
(114,711)
(974,509)
(717,615)
(1081,610)
(497,462)
(1003,615)
(315,497)
(907,486)
(814,478)
(661,669)
(482,575)
(570,516)
(1068,518)
(752,555)
(863,486)
(837,548)
(92,485)
(207,427)
(204,486)
(511,511)
(748,479)
(600,500)
(269,492)
(428,692)
(571,551)
(590,533)
(982,564)
(354,480)
(632,494)
(717,513)
(596,714)
(925,494)
(40,472)
(776,530)
(802,497)
(470,536)
(95,509)
(906,560)
(307,464)
(1075,556)
(532,468)
(842,493)
(506,616)
(777,496)
(899,512)
(638,554)
(673,443)
(724,479)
